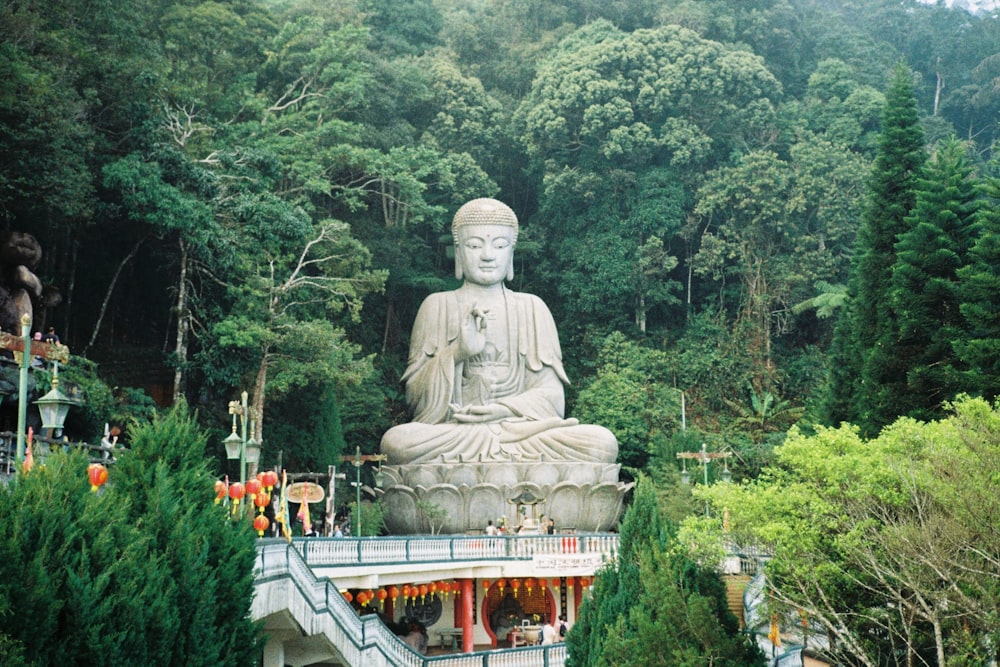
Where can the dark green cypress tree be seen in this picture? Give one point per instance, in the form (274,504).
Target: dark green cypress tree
(868,377)
(925,287)
(653,606)
(979,345)
(147,572)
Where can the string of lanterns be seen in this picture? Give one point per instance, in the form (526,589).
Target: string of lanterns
(420,592)
(259,491)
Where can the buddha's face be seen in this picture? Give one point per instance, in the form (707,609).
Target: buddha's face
(485,253)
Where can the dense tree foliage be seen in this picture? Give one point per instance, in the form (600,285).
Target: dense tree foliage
(887,546)
(655,606)
(147,571)
(717,200)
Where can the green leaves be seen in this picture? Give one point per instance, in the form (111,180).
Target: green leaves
(861,530)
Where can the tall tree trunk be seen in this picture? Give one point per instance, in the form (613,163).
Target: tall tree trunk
(107,295)
(257,406)
(183,324)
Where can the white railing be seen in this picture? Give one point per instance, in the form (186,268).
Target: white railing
(282,574)
(345,551)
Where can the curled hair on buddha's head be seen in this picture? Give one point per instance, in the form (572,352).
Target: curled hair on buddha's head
(483,211)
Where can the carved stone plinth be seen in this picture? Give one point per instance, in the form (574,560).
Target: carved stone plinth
(584,496)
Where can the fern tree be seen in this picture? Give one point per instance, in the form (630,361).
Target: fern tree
(147,572)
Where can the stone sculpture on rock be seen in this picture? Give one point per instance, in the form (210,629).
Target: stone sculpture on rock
(485,382)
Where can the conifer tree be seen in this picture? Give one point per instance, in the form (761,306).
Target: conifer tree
(146,572)
(925,288)
(867,377)
(979,345)
(653,605)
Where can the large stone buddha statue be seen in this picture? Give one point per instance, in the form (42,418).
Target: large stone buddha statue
(485,375)
(485,384)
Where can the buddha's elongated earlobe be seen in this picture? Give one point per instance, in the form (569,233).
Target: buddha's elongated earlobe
(510,268)
(459,273)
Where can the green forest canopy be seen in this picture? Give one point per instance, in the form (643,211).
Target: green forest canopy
(690,177)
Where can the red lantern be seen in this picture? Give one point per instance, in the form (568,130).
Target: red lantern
(393,593)
(432,587)
(585,582)
(570,581)
(98,475)
(423,591)
(236,493)
(253,487)
(348,596)
(456,587)
(269,479)
(486,584)
(220,491)
(516,585)
(407,592)
(262,500)
(501,583)
(542,583)
(261,523)
(381,594)
(529,583)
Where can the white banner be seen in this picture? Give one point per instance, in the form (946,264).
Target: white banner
(562,565)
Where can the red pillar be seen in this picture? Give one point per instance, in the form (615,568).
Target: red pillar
(468,619)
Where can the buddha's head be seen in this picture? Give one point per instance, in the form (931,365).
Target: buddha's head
(485,233)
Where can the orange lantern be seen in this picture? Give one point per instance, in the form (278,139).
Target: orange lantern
(502,583)
(381,594)
(423,591)
(570,581)
(529,583)
(456,588)
(444,588)
(486,584)
(262,500)
(348,596)
(584,581)
(432,587)
(542,583)
(516,585)
(253,487)
(220,491)
(406,592)
(393,593)
(236,492)
(269,479)
(261,523)
(98,475)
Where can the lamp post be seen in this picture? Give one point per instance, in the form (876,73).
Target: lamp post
(357,461)
(705,457)
(27,349)
(247,450)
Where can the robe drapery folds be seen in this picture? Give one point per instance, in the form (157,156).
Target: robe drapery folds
(527,377)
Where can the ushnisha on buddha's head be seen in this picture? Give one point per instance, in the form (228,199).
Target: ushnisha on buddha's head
(485,233)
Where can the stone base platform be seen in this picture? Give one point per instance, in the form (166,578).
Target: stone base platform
(584,496)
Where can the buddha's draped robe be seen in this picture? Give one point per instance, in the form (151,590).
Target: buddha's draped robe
(527,378)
